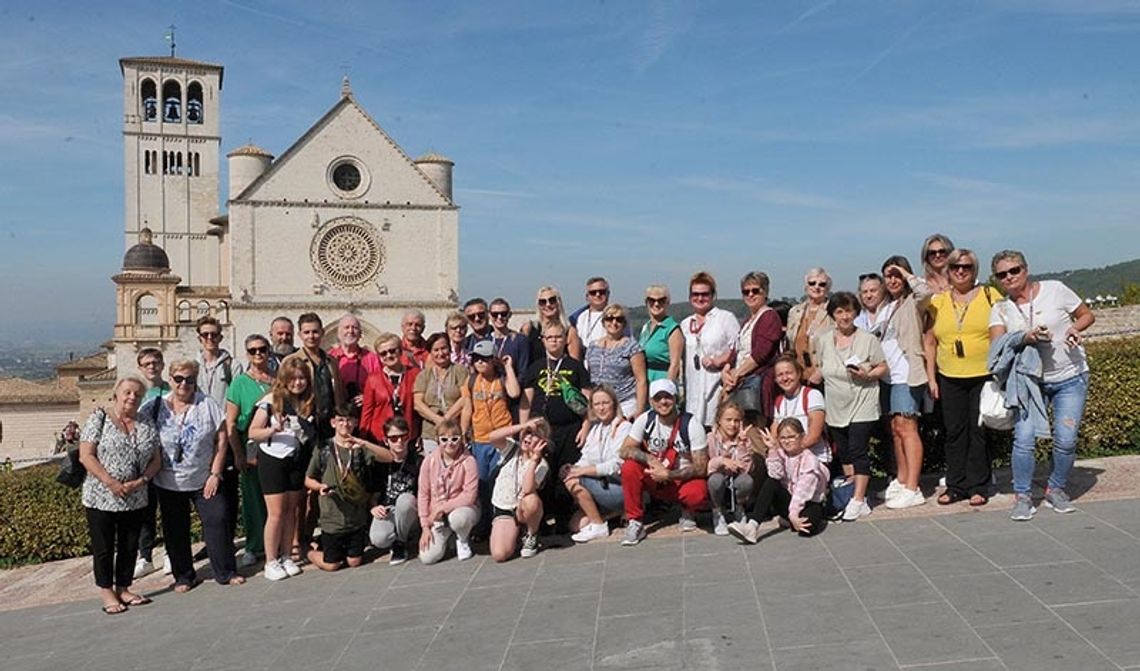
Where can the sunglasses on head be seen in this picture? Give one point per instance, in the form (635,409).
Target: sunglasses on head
(599,292)
(751,291)
(477,316)
(256,350)
(448,440)
(210,335)
(937,252)
(500,315)
(961,266)
(183,379)
(869,276)
(543,302)
(1013,271)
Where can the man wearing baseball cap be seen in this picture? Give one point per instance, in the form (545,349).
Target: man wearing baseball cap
(666,455)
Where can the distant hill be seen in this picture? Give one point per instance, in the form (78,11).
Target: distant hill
(1092,281)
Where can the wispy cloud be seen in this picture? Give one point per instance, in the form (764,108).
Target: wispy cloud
(893,46)
(666,22)
(810,12)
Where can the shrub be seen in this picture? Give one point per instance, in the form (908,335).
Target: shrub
(40,519)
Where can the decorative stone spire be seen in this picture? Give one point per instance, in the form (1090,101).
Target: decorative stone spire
(345,88)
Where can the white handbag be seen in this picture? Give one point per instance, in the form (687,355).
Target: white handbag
(992,412)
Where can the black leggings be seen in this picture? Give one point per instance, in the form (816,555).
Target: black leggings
(773,497)
(852,442)
(114,542)
(967,455)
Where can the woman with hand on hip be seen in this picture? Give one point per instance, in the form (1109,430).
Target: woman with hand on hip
(809,319)
(1051,318)
(660,337)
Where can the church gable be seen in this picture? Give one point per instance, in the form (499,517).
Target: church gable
(345,158)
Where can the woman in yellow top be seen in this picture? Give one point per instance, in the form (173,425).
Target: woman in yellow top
(960,318)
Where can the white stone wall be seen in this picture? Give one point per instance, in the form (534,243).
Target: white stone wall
(29,429)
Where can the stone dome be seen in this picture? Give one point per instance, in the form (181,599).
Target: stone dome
(146,256)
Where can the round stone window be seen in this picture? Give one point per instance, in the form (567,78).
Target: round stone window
(347,252)
(348,177)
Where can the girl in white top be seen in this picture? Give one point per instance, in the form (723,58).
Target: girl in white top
(595,480)
(801,402)
(514,496)
(710,334)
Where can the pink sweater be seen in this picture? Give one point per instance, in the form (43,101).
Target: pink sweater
(718,452)
(456,485)
(804,476)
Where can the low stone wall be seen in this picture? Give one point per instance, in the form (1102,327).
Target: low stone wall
(1115,322)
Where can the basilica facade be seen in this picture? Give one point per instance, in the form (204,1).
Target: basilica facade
(344,220)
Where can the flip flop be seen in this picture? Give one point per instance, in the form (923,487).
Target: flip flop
(948,498)
(138,601)
(115,609)
(978,500)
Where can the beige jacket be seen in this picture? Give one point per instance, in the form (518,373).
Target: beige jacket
(907,318)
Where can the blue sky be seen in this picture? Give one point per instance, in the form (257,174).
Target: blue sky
(641,141)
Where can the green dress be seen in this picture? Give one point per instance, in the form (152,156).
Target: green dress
(655,343)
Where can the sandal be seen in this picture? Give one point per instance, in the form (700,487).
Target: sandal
(295,554)
(948,498)
(139,600)
(184,587)
(115,608)
(978,500)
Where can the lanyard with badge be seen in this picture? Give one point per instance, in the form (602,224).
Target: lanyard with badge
(960,318)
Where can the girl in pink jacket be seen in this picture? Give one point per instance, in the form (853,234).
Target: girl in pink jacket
(447,499)
(795,488)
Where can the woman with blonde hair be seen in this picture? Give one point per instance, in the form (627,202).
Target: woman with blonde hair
(390,391)
(616,359)
(807,320)
(660,337)
(550,310)
(936,262)
(456,329)
(285,428)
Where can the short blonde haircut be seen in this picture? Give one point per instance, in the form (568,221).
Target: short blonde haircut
(614,310)
(658,289)
(385,338)
(132,379)
(957,255)
(455,319)
(188,365)
(817,272)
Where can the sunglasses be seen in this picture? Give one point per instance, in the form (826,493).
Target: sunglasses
(475,358)
(210,335)
(613,318)
(700,294)
(477,316)
(599,292)
(817,283)
(543,302)
(869,276)
(448,440)
(937,252)
(650,300)
(256,350)
(388,352)
(751,291)
(500,315)
(961,266)
(183,379)
(1012,272)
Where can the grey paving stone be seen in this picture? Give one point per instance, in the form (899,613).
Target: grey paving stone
(315,653)
(815,620)
(708,568)
(726,647)
(506,574)
(489,605)
(992,519)
(1121,514)
(449,570)
(632,566)
(913,531)
(927,633)
(891,585)
(987,664)
(947,557)
(467,649)
(1043,645)
(571,655)
(862,550)
(568,579)
(1115,552)
(991,599)
(581,554)
(1021,547)
(241,650)
(724,604)
(869,654)
(1110,627)
(386,650)
(330,621)
(435,591)
(779,545)
(1077,582)
(651,594)
(779,579)
(571,617)
(639,641)
(410,616)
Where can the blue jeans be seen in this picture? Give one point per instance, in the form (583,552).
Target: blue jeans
(486,458)
(1068,399)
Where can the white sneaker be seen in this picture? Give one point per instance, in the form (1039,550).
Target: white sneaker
(166,570)
(247,560)
(143,568)
(907,498)
(590,532)
(275,571)
(687,522)
(893,489)
(290,566)
(855,509)
(720,525)
(463,549)
(747,531)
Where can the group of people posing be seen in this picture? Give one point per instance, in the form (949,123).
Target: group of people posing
(426,446)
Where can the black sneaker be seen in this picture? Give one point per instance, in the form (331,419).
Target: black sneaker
(399,554)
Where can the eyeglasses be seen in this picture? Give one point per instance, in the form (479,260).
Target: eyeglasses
(254,351)
(613,318)
(458,327)
(650,300)
(151,364)
(210,335)
(500,315)
(477,316)
(700,294)
(388,352)
(751,291)
(817,283)
(1013,271)
(183,379)
(937,252)
(599,292)
(397,437)
(961,266)
(448,440)
(543,302)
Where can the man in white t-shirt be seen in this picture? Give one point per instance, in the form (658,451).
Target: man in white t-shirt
(588,323)
(666,455)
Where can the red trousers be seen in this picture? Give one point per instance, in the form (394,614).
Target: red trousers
(635,479)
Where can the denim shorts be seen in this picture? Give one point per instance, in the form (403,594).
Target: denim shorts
(605,492)
(906,400)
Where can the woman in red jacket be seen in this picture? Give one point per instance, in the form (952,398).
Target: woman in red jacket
(389,391)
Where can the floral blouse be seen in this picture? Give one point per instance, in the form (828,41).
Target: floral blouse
(124,457)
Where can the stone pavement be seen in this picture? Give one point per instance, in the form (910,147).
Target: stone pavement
(969,591)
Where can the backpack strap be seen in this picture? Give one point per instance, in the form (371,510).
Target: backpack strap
(227,371)
(803,397)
